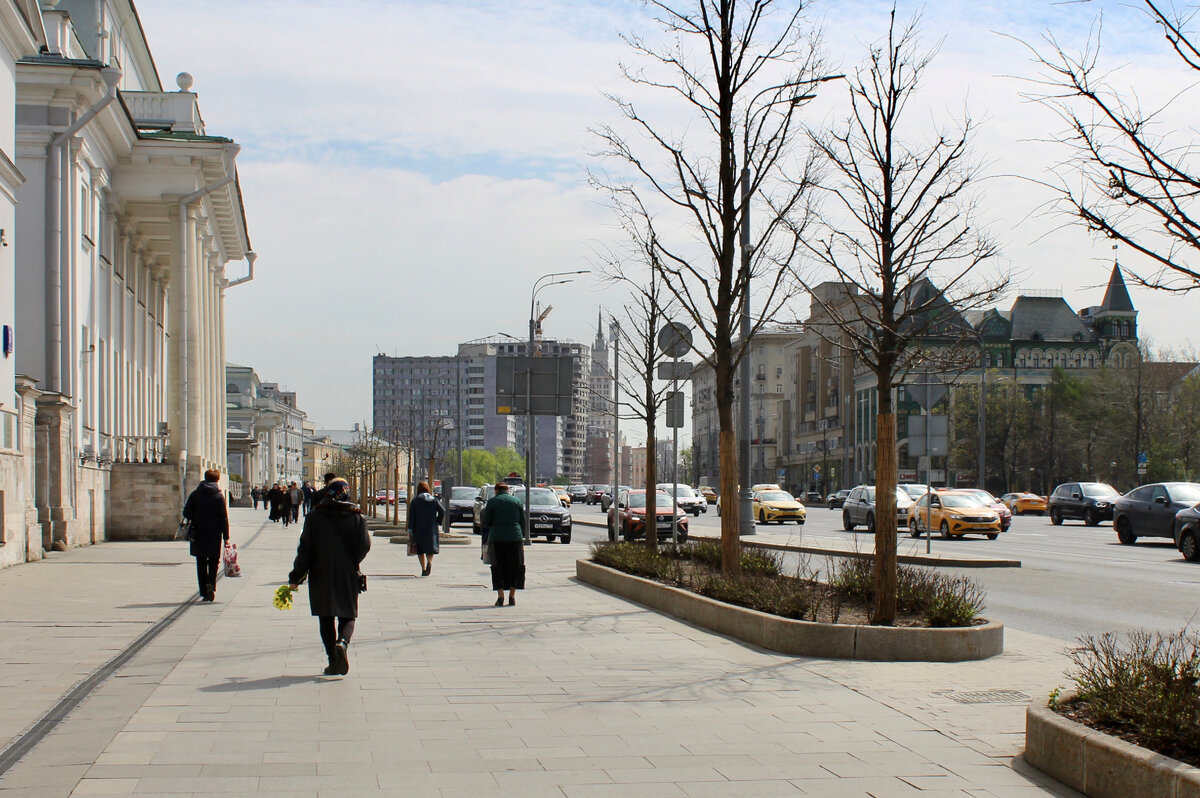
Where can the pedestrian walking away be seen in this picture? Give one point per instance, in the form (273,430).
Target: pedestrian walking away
(275,501)
(332,545)
(320,495)
(309,492)
(424,521)
(504,518)
(256,495)
(296,496)
(207,511)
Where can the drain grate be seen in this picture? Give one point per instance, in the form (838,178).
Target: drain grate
(989,697)
(465,587)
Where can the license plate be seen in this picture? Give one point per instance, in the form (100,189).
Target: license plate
(543,526)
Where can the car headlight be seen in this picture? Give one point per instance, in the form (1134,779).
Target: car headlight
(1101,504)
(566,518)
(956,516)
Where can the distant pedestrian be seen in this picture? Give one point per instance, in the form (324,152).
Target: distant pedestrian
(256,495)
(504,518)
(332,545)
(309,492)
(206,509)
(296,496)
(275,501)
(285,505)
(424,518)
(319,495)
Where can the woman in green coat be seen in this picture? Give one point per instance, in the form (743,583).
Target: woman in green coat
(504,517)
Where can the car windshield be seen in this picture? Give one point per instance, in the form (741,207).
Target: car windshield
(1186,492)
(639,500)
(538,497)
(915,491)
(958,500)
(984,496)
(776,496)
(1098,490)
(464,494)
(682,491)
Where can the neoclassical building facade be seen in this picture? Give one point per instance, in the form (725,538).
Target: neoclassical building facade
(127,217)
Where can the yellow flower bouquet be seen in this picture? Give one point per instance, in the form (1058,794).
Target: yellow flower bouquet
(283,598)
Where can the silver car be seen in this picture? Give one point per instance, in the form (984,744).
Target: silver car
(859,508)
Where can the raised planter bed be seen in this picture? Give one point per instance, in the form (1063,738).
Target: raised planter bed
(802,638)
(1098,764)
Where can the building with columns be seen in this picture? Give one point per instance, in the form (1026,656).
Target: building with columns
(265,432)
(127,213)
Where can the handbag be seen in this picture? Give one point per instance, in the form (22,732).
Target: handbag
(185,531)
(232,569)
(412,548)
(359,576)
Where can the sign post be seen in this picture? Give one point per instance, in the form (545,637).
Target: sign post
(674,340)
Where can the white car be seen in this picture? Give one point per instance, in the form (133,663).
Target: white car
(685,496)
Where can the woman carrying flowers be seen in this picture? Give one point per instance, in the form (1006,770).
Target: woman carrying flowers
(333,543)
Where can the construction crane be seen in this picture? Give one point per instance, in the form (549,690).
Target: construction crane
(537,325)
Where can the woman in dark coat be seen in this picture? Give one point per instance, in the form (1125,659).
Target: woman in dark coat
(504,518)
(333,543)
(207,511)
(424,519)
(275,500)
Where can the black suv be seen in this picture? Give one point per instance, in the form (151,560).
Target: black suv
(462,504)
(1090,502)
(547,517)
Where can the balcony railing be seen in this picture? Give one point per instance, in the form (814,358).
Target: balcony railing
(139,449)
(175,110)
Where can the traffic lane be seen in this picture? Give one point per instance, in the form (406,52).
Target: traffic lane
(1075,579)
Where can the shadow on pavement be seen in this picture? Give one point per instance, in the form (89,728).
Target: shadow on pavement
(269,683)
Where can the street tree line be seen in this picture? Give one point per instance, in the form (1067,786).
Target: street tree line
(883,204)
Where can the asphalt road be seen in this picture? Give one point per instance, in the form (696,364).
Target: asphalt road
(1074,579)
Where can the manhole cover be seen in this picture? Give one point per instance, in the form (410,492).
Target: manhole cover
(989,697)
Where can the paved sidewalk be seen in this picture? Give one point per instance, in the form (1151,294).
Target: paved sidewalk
(571,693)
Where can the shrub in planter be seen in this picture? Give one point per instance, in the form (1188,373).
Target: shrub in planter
(1144,686)
(943,600)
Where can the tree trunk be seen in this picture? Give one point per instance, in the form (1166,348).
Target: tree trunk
(731,542)
(886,466)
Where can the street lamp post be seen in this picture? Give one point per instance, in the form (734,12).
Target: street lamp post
(530,426)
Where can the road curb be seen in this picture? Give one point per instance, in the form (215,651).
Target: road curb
(908,559)
(1098,764)
(801,638)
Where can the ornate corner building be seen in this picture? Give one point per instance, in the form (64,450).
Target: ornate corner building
(120,215)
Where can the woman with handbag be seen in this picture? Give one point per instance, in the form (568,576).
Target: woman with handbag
(333,543)
(424,519)
(504,518)
(209,515)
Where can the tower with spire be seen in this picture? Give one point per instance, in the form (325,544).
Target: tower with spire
(1114,321)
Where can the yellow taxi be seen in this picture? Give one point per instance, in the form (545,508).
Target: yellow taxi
(560,491)
(1021,503)
(764,486)
(954,514)
(778,506)
(708,493)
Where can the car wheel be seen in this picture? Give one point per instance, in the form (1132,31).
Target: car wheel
(846,524)
(1091,517)
(564,538)
(800,521)
(1125,532)
(945,530)
(1188,546)
(913,529)
(992,536)
(871,523)
(1056,517)
(762,518)
(696,512)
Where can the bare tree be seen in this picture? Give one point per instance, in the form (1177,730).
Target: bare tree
(898,225)
(1138,181)
(741,68)
(638,268)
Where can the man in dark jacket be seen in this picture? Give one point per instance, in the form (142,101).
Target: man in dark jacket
(207,511)
(332,545)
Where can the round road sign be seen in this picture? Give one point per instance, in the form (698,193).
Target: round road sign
(675,339)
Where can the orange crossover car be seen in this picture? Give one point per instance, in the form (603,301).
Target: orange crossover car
(954,514)
(1021,503)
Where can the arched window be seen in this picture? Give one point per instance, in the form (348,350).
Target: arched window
(987,360)
(1037,360)
(999,361)
(1021,360)
(1078,360)
(1091,360)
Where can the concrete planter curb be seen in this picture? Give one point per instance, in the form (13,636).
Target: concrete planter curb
(801,638)
(443,540)
(1098,764)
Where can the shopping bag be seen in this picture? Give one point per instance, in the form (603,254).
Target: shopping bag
(412,548)
(232,569)
(185,530)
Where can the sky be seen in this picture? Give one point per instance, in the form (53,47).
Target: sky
(410,167)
